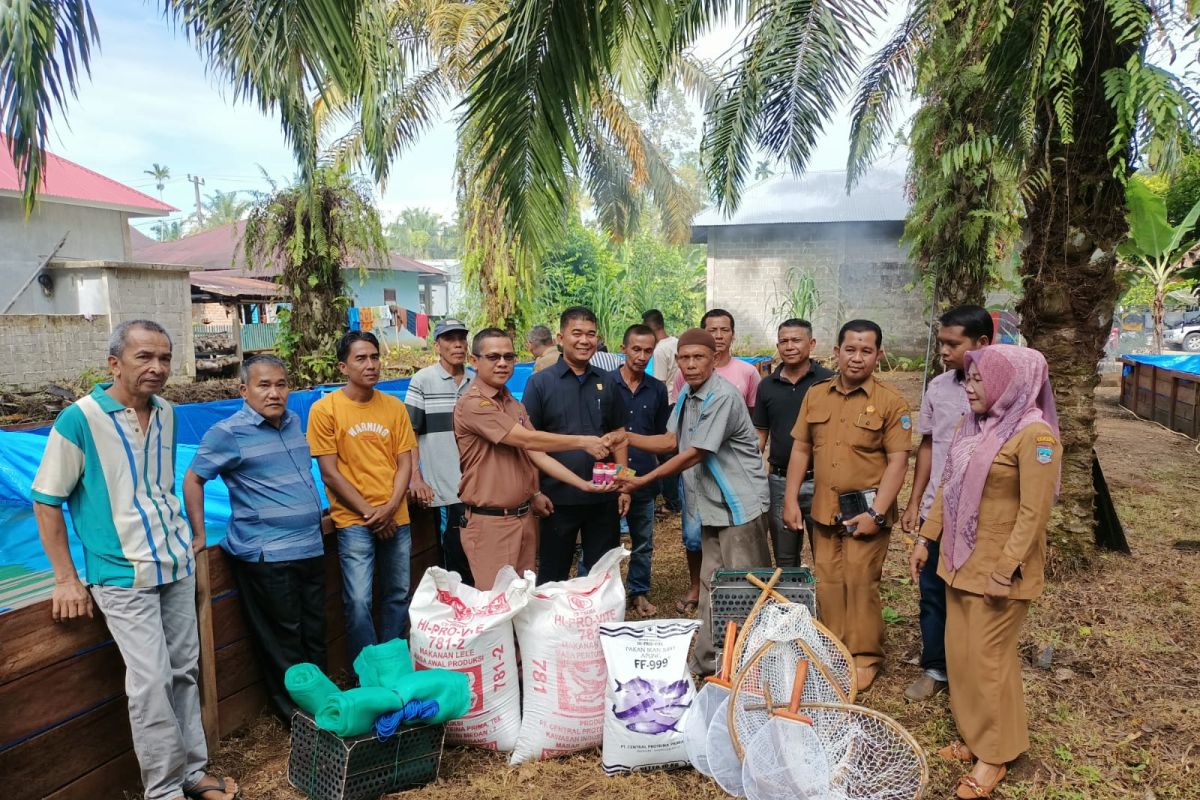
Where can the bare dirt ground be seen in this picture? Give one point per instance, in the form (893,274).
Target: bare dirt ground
(1114,715)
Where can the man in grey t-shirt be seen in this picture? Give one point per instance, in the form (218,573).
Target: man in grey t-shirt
(723,474)
(430,400)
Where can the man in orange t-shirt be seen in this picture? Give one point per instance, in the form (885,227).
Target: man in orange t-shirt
(361,439)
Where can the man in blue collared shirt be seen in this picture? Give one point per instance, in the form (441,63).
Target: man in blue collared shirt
(274,533)
(647,410)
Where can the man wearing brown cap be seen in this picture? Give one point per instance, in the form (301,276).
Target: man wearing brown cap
(500,454)
(723,474)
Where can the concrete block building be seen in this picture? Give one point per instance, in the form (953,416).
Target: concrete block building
(68,275)
(848,244)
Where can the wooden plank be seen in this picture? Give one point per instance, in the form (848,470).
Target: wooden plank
(220,576)
(208,658)
(108,781)
(237,668)
(33,641)
(43,699)
(242,708)
(37,767)
(229,624)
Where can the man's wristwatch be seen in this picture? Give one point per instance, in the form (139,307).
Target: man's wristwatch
(880,519)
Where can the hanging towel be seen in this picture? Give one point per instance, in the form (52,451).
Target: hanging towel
(308,687)
(354,318)
(410,321)
(383,664)
(368,320)
(422,325)
(385,315)
(401,317)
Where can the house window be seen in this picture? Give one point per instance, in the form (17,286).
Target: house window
(389,295)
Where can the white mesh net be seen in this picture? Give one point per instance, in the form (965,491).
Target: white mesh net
(785,760)
(789,622)
(725,764)
(774,666)
(696,722)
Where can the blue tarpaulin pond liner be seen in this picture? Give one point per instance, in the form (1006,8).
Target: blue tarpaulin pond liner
(1164,389)
(21,453)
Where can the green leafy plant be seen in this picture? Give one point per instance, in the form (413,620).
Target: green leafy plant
(797,296)
(1156,250)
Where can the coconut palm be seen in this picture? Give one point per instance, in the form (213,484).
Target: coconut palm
(222,208)
(161,175)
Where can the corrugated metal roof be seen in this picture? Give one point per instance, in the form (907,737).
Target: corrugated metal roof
(815,197)
(68,182)
(229,284)
(218,248)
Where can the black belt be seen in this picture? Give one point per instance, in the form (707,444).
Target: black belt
(782,472)
(519,511)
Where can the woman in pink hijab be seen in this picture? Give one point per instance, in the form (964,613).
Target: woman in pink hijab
(990,515)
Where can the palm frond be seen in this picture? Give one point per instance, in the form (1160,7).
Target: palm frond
(890,73)
(45,47)
(798,63)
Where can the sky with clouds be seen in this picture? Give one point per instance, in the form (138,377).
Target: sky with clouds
(149,100)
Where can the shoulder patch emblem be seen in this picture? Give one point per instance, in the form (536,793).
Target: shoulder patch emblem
(1046,440)
(1045,454)
(906,422)
(485,403)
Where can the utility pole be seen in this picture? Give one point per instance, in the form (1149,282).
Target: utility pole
(197,182)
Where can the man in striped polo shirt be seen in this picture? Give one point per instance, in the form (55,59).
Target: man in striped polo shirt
(111,458)
(274,532)
(430,400)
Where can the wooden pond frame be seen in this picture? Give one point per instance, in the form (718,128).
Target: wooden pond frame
(64,723)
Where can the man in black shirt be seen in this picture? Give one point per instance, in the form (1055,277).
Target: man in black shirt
(774,413)
(574,397)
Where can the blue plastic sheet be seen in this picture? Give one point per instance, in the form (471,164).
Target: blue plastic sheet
(1176,361)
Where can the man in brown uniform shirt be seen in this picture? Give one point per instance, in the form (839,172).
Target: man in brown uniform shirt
(857,432)
(499,470)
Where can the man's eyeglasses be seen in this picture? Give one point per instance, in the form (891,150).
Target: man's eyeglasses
(494,357)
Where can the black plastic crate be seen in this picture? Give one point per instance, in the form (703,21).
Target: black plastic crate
(327,767)
(732,596)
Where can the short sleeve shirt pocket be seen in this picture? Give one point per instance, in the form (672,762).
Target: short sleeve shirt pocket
(866,434)
(816,418)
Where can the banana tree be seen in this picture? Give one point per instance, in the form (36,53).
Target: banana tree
(1156,250)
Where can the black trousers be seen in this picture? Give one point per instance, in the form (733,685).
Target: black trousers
(284,606)
(451,520)
(597,524)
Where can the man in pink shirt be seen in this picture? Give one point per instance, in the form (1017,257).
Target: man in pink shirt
(720,325)
(961,330)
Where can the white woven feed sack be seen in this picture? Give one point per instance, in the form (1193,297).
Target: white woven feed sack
(649,690)
(461,628)
(562,665)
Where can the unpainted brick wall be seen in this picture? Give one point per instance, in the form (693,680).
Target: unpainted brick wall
(861,271)
(36,349)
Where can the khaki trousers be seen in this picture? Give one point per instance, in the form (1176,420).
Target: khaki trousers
(848,573)
(491,543)
(984,668)
(736,547)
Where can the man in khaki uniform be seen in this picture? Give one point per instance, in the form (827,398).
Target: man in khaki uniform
(499,470)
(857,433)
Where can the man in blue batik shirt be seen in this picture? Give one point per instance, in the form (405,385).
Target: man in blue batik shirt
(274,533)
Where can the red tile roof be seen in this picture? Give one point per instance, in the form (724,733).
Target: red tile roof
(67,182)
(219,248)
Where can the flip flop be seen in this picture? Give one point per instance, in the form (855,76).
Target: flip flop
(197,790)
(687,606)
(971,789)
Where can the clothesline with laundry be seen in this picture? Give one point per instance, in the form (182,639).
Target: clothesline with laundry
(368,318)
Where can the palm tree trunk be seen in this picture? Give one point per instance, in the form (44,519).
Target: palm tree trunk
(1069,275)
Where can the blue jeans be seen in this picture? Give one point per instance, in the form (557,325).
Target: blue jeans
(358,550)
(641,534)
(933,617)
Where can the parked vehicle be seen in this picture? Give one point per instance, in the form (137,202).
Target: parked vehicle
(1184,335)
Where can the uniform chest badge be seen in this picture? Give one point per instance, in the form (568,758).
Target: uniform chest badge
(1044,454)
(599,387)
(906,422)
(870,409)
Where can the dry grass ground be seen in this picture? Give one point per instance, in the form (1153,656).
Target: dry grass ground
(1113,716)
